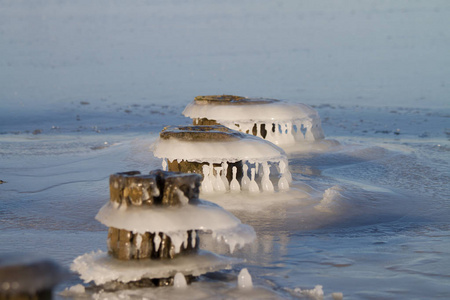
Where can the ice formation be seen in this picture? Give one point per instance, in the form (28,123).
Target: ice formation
(179,281)
(244,279)
(316,293)
(73,291)
(228,160)
(101,268)
(177,221)
(279,122)
(154,223)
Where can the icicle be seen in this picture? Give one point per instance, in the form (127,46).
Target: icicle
(258,131)
(207,186)
(212,178)
(218,183)
(224,176)
(282,166)
(289,137)
(287,173)
(309,135)
(245,182)
(123,206)
(299,134)
(244,280)
(253,186)
(177,239)
(179,281)
(248,128)
(234,186)
(138,240)
(276,134)
(266,184)
(269,135)
(283,183)
(193,238)
(164,164)
(186,239)
(157,241)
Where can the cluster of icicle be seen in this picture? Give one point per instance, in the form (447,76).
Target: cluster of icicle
(281,133)
(279,122)
(220,183)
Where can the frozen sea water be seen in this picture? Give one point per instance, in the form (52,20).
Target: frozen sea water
(87,87)
(384,232)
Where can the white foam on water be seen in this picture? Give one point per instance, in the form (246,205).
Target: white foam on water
(332,200)
(337,296)
(318,146)
(315,294)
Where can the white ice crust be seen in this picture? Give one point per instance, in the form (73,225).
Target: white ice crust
(101,268)
(281,123)
(176,221)
(204,216)
(249,148)
(275,111)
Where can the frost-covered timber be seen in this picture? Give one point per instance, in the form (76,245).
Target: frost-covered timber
(279,122)
(229,160)
(155,218)
(156,189)
(25,277)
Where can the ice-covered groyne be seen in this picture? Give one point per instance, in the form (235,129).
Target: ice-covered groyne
(229,160)
(279,122)
(25,276)
(154,223)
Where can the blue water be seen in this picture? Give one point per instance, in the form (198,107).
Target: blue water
(86,87)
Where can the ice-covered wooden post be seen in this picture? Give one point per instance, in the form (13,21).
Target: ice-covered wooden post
(202,134)
(154,224)
(159,188)
(24,277)
(230,100)
(279,122)
(223,156)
